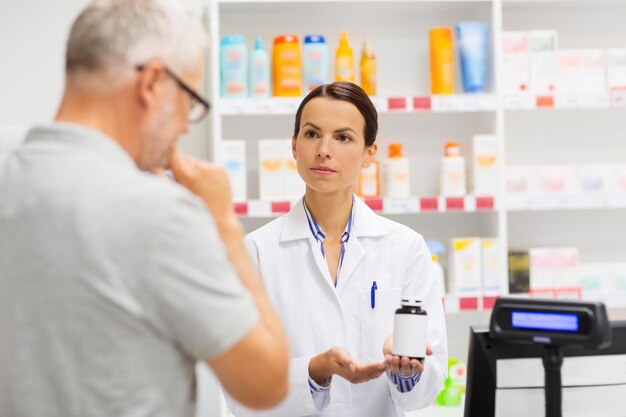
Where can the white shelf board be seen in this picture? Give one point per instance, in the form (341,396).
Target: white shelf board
(565,202)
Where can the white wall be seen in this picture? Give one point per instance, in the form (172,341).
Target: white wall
(32,53)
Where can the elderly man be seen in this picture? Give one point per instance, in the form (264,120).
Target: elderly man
(115,281)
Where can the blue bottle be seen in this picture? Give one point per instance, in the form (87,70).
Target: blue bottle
(233,67)
(472,41)
(259,70)
(314,62)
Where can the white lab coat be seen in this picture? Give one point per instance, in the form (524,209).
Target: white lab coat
(318,316)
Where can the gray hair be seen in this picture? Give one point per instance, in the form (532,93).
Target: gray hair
(112,37)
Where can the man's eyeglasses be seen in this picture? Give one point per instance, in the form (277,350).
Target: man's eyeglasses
(199,107)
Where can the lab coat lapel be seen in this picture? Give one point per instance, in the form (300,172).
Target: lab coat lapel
(365,223)
(297,227)
(351,260)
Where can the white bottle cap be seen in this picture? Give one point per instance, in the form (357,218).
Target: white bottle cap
(411,301)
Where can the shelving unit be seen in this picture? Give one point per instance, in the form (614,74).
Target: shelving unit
(558,129)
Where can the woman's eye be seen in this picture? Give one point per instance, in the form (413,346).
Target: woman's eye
(310,134)
(344,138)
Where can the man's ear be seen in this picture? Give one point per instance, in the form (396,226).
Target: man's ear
(148,85)
(370,155)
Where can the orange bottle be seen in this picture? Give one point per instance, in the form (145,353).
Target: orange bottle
(287,66)
(441,61)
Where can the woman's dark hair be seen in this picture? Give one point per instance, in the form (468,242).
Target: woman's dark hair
(352,93)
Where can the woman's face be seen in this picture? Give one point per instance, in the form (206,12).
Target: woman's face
(330,148)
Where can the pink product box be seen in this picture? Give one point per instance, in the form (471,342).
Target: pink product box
(557,180)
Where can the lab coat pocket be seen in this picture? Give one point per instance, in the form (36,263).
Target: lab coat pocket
(377,322)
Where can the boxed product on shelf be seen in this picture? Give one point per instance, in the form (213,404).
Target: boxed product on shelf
(553,268)
(519,272)
(520,180)
(542,46)
(233,158)
(618,179)
(556,179)
(465,267)
(278,175)
(603,281)
(515,77)
(581,71)
(485,165)
(271,169)
(616,68)
(595,178)
(490,266)
(293,184)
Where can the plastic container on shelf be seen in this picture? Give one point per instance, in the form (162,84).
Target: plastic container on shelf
(472,41)
(453,182)
(368,69)
(437,249)
(233,67)
(314,61)
(344,61)
(441,61)
(369,181)
(259,70)
(287,66)
(396,173)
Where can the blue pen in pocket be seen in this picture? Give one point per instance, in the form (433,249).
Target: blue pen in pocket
(373,294)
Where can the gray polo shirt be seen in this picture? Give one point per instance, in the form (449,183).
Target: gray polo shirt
(113,283)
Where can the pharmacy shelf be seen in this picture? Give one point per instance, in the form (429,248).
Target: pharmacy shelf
(565,202)
(454,103)
(437,104)
(410,205)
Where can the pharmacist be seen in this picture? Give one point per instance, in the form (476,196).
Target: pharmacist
(336,272)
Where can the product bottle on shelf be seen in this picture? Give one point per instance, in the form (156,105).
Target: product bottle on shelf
(314,61)
(453,171)
(396,173)
(369,183)
(233,66)
(259,70)
(368,69)
(287,66)
(441,61)
(344,62)
(473,41)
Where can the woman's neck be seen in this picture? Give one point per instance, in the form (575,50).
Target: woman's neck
(330,210)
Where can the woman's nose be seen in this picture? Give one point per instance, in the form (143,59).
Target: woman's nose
(323,150)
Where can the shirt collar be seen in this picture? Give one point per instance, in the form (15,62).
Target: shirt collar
(317,231)
(364,222)
(81,136)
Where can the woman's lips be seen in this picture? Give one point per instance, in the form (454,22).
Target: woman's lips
(321,170)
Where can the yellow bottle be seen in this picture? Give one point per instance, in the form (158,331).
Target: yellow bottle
(344,61)
(368,69)
(441,61)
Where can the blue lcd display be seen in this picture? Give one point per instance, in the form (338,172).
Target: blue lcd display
(560,322)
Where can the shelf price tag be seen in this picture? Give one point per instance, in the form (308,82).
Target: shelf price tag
(396,103)
(280,207)
(485,203)
(455,203)
(401,205)
(519,102)
(375,204)
(429,204)
(421,103)
(241,209)
(545,102)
